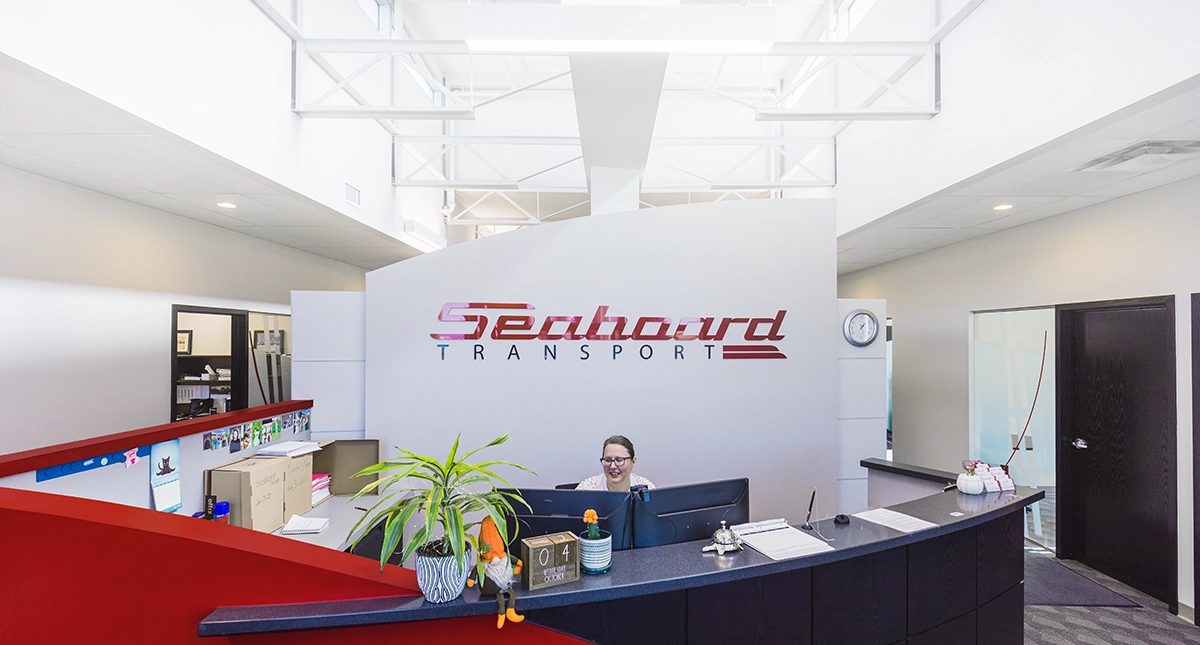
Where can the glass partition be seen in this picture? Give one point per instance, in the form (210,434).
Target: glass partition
(270,365)
(1006,359)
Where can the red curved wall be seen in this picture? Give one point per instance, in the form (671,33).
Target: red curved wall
(82,571)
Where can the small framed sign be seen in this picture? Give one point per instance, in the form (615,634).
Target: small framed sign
(549,560)
(183,342)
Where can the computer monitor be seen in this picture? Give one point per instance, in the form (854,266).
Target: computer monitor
(556,510)
(686,513)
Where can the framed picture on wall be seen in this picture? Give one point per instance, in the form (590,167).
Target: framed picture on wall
(270,341)
(183,341)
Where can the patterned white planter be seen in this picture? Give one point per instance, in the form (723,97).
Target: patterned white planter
(970,484)
(439,577)
(595,556)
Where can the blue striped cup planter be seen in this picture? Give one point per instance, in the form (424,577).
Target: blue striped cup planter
(595,556)
(439,578)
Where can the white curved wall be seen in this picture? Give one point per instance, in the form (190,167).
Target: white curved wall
(691,419)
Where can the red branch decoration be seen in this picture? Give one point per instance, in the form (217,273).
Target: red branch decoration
(1041,372)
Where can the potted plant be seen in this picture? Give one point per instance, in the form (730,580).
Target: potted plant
(446,491)
(595,545)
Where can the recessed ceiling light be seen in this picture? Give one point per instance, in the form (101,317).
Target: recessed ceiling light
(226,205)
(1002,207)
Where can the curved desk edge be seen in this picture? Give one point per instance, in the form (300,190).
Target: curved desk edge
(638,572)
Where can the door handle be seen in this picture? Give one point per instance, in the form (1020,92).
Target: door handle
(1079,444)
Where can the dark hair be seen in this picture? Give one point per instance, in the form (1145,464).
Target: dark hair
(620,441)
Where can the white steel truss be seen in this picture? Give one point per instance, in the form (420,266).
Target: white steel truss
(676,164)
(879,65)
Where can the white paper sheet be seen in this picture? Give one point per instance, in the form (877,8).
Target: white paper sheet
(300,525)
(289,449)
(778,541)
(892,519)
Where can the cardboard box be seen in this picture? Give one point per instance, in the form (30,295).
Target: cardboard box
(297,485)
(254,488)
(341,459)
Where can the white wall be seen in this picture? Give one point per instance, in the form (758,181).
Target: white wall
(218,73)
(87,282)
(862,404)
(1015,75)
(692,419)
(211,333)
(329,364)
(1139,245)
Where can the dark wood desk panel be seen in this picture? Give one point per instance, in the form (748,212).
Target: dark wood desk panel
(860,591)
(862,600)
(759,611)
(941,579)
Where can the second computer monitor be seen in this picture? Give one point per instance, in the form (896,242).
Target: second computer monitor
(555,510)
(686,513)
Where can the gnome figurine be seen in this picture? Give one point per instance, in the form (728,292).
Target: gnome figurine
(498,570)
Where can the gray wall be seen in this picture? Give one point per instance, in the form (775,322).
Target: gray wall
(1141,245)
(87,282)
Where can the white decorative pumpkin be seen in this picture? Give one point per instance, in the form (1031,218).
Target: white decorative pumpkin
(970,484)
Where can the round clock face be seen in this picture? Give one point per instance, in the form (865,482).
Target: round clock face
(861,328)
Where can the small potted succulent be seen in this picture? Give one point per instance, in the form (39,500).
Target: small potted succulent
(595,545)
(447,491)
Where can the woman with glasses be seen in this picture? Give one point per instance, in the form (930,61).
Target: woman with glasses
(617,463)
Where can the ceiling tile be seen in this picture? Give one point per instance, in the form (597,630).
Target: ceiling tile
(190,159)
(91,154)
(1189,131)
(14,120)
(59,102)
(1145,123)
(859,255)
(863,235)
(1162,177)
(1057,207)
(905,237)
(897,254)
(247,209)
(916,215)
(39,165)
(168,205)
(1065,184)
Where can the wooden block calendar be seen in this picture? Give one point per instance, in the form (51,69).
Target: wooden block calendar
(549,560)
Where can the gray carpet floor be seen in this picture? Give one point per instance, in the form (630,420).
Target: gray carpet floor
(1149,623)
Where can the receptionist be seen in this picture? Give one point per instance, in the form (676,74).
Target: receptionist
(617,460)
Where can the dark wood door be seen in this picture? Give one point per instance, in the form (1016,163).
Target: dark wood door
(1116,441)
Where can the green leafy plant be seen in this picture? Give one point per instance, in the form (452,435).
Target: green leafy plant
(443,490)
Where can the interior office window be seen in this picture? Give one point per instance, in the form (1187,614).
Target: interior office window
(270,365)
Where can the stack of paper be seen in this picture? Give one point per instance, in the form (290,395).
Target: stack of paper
(301,525)
(892,519)
(778,541)
(320,487)
(289,449)
(994,478)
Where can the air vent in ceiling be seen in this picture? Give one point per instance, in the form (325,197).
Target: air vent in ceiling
(1146,156)
(353,195)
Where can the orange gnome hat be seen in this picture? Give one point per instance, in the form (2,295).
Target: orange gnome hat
(489,537)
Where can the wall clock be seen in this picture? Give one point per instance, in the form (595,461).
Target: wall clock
(860,328)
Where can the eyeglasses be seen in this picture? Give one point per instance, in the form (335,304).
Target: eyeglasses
(617,461)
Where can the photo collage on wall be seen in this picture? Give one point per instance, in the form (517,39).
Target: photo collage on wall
(243,437)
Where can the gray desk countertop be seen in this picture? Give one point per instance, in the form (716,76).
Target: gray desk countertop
(637,572)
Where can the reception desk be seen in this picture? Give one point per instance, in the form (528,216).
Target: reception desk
(960,582)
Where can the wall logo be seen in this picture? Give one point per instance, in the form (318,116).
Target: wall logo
(701,334)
